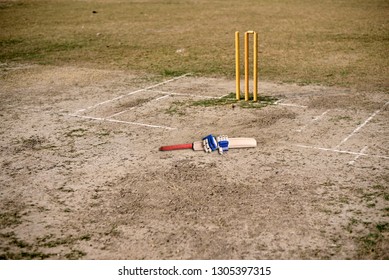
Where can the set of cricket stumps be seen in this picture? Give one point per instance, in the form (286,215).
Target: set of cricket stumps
(223,143)
(247,65)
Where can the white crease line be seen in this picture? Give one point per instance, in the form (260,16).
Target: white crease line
(361,126)
(119,113)
(292,105)
(168,81)
(278,102)
(342,151)
(162,97)
(313,120)
(358,156)
(223,96)
(108,101)
(125,122)
(181,94)
(131,93)
(319,117)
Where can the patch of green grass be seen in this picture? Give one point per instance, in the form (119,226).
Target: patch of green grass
(328,183)
(10,42)
(369,235)
(173,72)
(340,118)
(103,133)
(25,255)
(49,242)
(33,142)
(77,132)
(370,240)
(85,237)
(383,227)
(41,53)
(176,108)
(75,255)
(344,199)
(19,249)
(352,223)
(67,190)
(214,102)
(14,241)
(9,218)
(16,248)
(230,99)
(369,196)
(9,4)
(372,197)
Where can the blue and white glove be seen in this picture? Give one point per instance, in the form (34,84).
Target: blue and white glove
(209,143)
(222,143)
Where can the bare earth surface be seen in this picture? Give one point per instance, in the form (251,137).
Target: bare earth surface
(81,175)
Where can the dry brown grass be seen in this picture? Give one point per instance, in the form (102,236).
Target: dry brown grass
(305,41)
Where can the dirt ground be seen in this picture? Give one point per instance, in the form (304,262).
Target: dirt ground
(81,176)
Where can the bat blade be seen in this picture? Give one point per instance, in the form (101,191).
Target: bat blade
(234,143)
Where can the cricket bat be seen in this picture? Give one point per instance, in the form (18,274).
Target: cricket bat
(234,143)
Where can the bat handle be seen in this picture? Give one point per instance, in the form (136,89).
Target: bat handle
(176,147)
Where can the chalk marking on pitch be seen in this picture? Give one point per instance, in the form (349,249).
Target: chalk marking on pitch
(162,97)
(131,93)
(124,122)
(278,102)
(359,154)
(361,126)
(181,94)
(119,113)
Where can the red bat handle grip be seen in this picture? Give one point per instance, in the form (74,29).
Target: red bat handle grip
(176,147)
